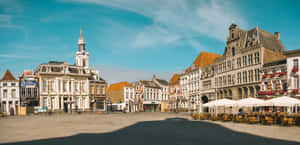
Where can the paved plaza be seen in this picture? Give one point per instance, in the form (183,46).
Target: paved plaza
(137,129)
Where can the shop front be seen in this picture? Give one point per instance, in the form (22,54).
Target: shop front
(152,106)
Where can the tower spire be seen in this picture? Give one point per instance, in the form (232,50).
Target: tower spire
(81,39)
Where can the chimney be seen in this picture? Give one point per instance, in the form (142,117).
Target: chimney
(277,35)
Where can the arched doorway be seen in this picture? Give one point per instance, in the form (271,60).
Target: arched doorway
(204,99)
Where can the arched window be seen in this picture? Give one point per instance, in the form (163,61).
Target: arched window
(233,51)
(83,62)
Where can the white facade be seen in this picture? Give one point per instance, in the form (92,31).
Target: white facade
(66,87)
(190,87)
(9,97)
(293,77)
(129,93)
(59,92)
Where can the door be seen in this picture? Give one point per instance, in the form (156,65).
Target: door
(65,107)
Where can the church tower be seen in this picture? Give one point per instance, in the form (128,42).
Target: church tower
(82,57)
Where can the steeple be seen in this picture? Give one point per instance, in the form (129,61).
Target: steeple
(82,57)
(81,41)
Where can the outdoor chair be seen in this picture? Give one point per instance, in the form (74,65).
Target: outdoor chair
(291,121)
(202,116)
(226,117)
(269,120)
(253,119)
(214,117)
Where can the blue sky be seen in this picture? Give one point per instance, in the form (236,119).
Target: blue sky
(133,39)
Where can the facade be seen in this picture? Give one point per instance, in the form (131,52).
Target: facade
(293,58)
(10,98)
(151,95)
(122,97)
(237,73)
(29,89)
(65,87)
(164,92)
(274,79)
(174,91)
(190,81)
(207,85)
(97,91)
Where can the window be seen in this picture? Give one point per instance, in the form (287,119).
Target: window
(224,80)
(83,87)
(5,93)
(256,75)
(296,82)
(239,77)
(65,86)
(256,59)
(220,68)
(83,62)
(220,81)
(224,66)
(4,84)
(229,65)
(229,79)
(70,86)
(216,82)
(295,63)
(13,84)
(103,90)
(244,60)
(233,51)
(273,85)
(13,93)
(76,87)
(245,77)
(250,72)
(239,62)
(52,85)
(250,61)
(232,35)
(44,85)
(97,90)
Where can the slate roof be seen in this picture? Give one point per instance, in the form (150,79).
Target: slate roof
(149,84)
(162,82)
(265,38)
(8,76)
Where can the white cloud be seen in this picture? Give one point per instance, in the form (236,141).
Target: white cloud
(178,19)
(115,74)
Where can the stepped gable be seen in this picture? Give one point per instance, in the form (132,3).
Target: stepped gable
(268,40)
(8,76)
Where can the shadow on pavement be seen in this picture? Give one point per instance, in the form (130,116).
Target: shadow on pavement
(173,131)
